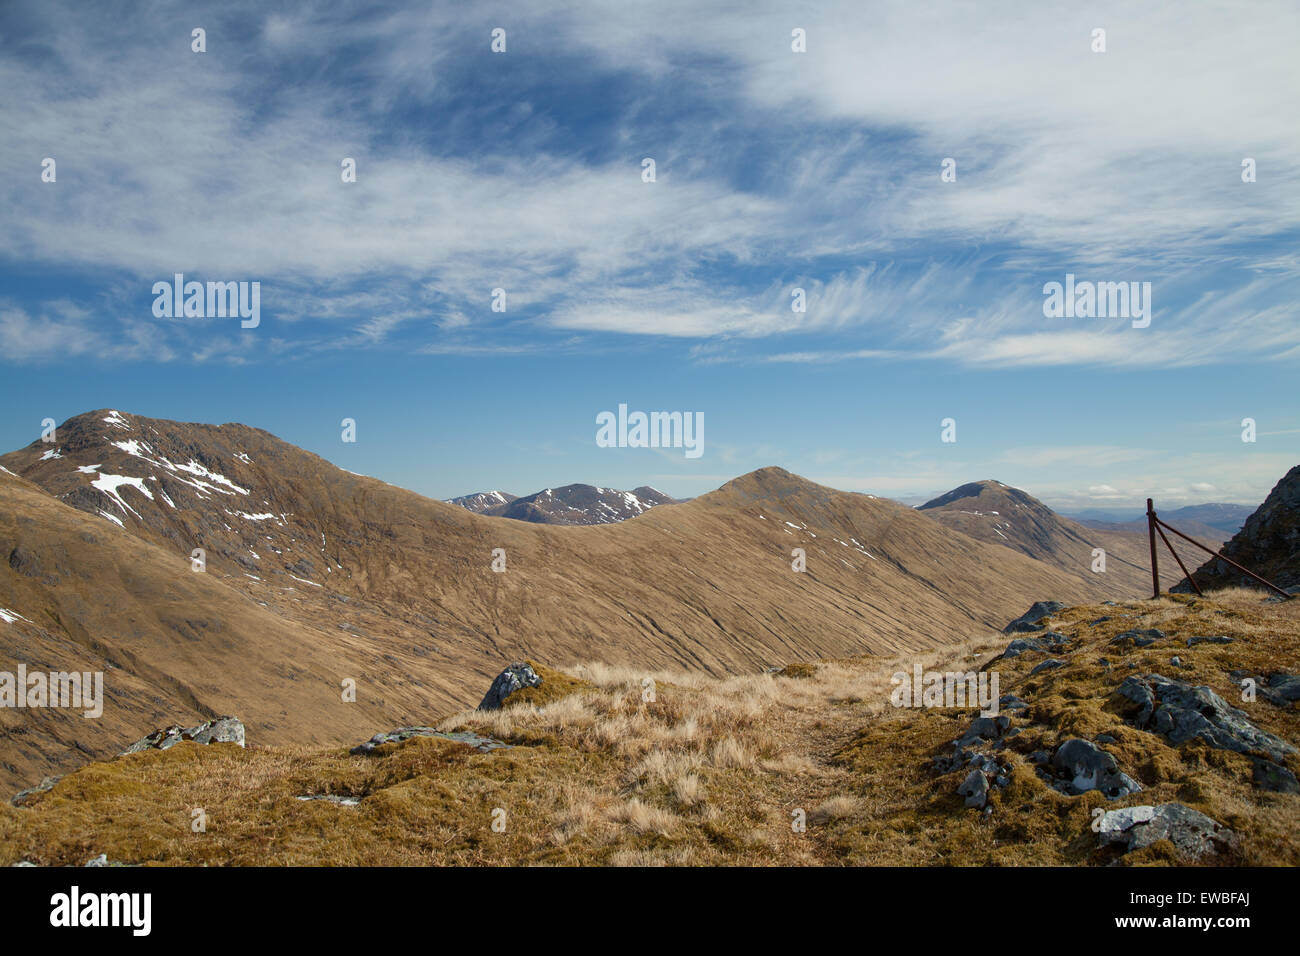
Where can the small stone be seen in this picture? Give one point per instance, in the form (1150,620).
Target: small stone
(975,789)
(1214,639)
(1136,638)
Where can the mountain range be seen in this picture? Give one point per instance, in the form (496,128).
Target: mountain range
(1222,517)
(571,504)
(213,569)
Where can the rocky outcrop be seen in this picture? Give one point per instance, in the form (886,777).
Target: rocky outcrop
(1029,621)
(1191,832)
(219,730)
(1051,641)
(1268,543)
(402,734)
(1181,712)
(513,678)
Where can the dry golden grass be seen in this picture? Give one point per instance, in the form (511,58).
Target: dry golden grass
(706,772)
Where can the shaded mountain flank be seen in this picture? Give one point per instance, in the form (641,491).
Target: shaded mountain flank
(1268,543)
(315,579)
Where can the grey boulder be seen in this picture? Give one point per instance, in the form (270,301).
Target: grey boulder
(1050,641)
(1210,639)
(975,788)
(1084,766)
(1190,831)
(513,678)
(1136,638)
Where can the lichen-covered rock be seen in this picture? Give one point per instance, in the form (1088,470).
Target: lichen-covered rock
(219,730)
(20,798)
(1029,620)
(1190,831)
(1180,711)
(513,678)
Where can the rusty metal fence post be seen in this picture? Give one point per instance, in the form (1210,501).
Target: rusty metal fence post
(1154,526)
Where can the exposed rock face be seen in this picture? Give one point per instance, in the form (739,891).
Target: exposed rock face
(1029,620)
(1281,688)
(1268,543)
(513,678)
(402,734)
(219,730)
(1190,831)
(1182,712)
(24,562)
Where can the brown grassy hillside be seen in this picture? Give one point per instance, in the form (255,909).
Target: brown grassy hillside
(709,772)
(315,575)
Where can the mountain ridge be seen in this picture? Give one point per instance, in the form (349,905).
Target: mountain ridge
(337,576)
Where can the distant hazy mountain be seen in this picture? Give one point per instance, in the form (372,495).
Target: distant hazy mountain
(1222,517)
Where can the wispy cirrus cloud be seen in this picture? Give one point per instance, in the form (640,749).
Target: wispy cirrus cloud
(775,171)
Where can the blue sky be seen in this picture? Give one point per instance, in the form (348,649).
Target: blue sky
(775,170)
